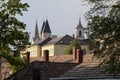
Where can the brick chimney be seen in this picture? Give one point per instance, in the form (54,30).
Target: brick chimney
(74,51)
(79,56)
(28,56)
(46,55)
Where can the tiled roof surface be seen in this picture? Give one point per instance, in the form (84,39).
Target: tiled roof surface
(61,40)
(46,69)
(62,58)
(84,42)
(90,70)
(42,42)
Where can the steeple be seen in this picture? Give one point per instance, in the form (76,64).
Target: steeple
(79,31)
(79,24)
(42,27)
(36,34)
(46,28)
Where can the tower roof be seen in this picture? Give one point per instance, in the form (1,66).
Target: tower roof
(36,33)
(46,28)
(42,27)
(79,24)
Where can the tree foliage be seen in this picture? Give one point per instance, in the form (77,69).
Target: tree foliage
(75,43)
(104,33)
(12,30)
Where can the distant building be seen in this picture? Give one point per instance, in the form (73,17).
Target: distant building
(79,31)
(56,45)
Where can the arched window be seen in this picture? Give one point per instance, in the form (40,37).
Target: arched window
(80,33)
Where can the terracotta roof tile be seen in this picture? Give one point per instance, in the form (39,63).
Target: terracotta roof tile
(89,70)
(47,70)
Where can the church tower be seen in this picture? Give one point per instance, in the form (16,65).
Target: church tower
(79,31)
(36,35)
(45,31)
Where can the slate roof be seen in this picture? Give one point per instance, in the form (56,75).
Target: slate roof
(46,28)
(61,40)
(46,70)
(36,34)
(42,27)
(84,42)
(42,42)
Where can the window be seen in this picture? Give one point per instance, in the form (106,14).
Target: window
(80,33)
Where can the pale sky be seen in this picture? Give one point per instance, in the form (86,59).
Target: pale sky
(63,15)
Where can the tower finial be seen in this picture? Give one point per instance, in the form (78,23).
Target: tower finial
(36,33)
(79,20)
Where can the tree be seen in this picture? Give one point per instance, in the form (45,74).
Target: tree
(75,43)
(12,31)
(104,33)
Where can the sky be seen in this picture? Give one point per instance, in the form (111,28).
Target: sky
(63,15)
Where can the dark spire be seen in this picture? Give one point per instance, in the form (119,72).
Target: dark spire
(36,33)
(46,28)
(79,24)
(42,27)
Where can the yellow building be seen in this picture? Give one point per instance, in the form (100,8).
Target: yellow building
(56,45)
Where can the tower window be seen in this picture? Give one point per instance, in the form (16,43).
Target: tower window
(80,33)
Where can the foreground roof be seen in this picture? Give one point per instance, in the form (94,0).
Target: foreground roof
(90,70)
(43,71)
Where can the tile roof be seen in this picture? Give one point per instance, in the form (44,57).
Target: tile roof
(46,70)
(62,58)
(90,70)
(57,66)
(42,42)
(61,40)
(84,42)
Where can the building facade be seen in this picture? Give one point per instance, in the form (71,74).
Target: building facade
(56,45)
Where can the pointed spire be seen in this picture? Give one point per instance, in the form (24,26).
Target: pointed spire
(79,20)
(79,24)
(36,33)
(42,27)
(46,28)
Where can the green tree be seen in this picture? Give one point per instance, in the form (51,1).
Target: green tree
(12,30)
(104,33)
(75,43)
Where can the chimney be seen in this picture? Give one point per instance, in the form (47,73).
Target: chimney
(79,56)
(46,55)
(28,56)
(74,51)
